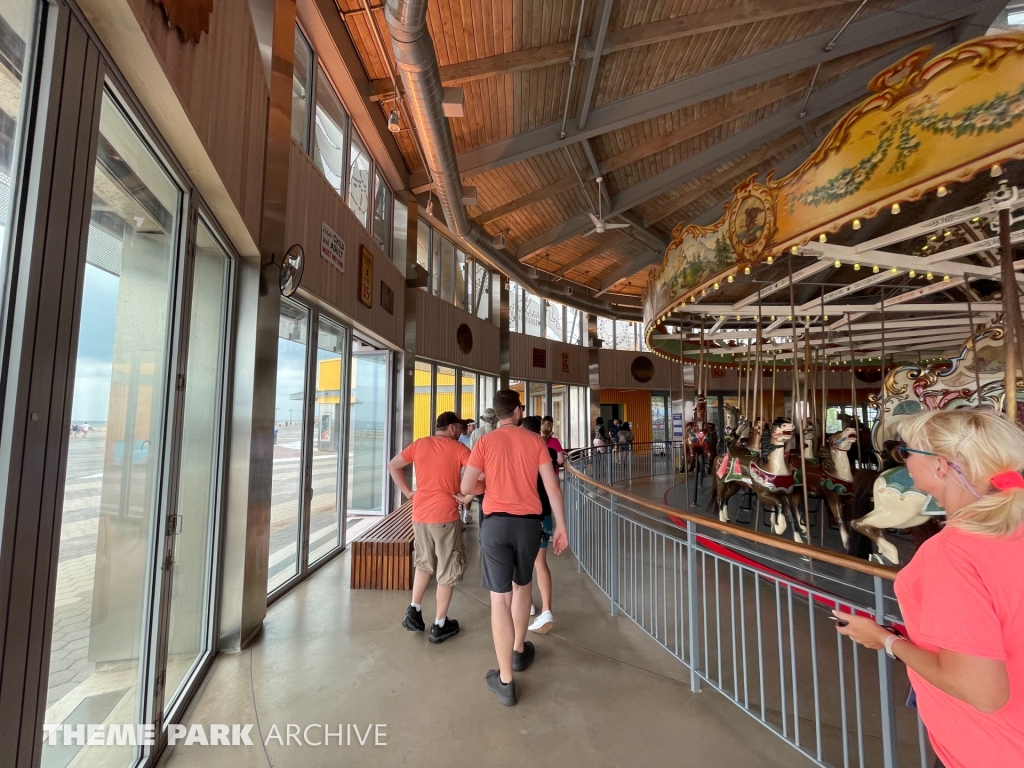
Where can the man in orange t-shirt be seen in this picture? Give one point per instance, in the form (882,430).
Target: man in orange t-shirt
(437,527)
(510,459)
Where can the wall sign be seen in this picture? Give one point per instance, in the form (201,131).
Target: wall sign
(387,298)
(332,247)
(540,358)
(365,277)
(565,362)
(677,425)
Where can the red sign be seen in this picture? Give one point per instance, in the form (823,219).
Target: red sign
(365,277)
(540,358)
(565,362)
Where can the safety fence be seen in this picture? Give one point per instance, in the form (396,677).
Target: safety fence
(746,612)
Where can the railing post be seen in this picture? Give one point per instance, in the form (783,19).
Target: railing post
(613,557)
(885,688)
(691,603)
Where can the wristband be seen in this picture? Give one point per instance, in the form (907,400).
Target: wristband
(889,641)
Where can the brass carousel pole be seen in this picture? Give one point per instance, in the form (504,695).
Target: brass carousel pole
(881,405)
(682,390)
(974,345)
(775,370)
(758,377)
(795,390)
(700,371)
(1011,317)
(853,386)
(824,372)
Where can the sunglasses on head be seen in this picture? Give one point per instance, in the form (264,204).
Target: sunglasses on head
(906,450)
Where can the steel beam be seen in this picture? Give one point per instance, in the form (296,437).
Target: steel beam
(597,36)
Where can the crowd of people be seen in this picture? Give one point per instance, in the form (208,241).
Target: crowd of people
(509,465)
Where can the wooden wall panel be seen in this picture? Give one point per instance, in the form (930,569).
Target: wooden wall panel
(221,84)
(637,404)
(436,324)
(521,360)
(615,365)
(313,202)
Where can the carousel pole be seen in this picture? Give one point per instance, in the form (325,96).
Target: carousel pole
(881,405)
(1011,315)
(824,372)
(974,344)
(682,390)
(775,370)
(758,377)
(746,383)
(795,390)
(853,385)
(700,371)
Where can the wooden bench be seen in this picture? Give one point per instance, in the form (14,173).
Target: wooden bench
(382,556)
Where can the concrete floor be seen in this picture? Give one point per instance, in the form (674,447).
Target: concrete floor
(601,692)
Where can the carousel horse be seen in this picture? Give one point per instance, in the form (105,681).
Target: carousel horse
(832,478)
(701,436)
(897,504)
(769,475)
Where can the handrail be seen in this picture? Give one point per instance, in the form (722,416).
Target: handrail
(807,550)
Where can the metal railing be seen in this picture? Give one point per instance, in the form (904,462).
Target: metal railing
(746,612)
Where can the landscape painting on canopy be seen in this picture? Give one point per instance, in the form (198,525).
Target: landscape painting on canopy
(928,122)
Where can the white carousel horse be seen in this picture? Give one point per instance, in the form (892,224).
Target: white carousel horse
(897,505)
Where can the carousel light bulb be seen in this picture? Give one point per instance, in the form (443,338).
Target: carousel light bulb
(737,318)
(705,293)
(946,233)
(838,264)
(894,270)
(789,317)
(770,259)
(945,278)
(822,238)
(730,278)
(929,276)
(874,269)
(716,286)
(826,318)
(773,318)
(997,171)
(856,223)
(895,208)
(856,267)
(746,270)
(976,219)
(912,273)
(942,191)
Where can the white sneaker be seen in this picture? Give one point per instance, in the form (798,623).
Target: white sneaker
(543,623)
(533,611)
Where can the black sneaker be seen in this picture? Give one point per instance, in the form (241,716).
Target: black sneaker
(520,661)
(506,693)
(413,620)
(438,634)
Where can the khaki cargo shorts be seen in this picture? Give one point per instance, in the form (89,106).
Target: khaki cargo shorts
(439,550)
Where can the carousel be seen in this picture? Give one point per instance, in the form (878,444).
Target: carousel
(877,279)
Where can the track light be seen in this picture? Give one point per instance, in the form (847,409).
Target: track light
(895,208)
(430,207)
(394,120)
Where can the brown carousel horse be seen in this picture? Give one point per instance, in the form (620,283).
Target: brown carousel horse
(768,474)
(701,442)
(833,479)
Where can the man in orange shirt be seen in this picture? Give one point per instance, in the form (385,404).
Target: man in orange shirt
(438,462)
(510,459)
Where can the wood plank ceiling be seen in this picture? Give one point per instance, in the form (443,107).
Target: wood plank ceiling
(512,57)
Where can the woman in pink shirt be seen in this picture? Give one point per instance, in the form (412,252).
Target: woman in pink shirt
(547,429)
(962,594)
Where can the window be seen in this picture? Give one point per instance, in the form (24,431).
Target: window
(515,307)
(531,313)
(359,179)
(573,320)
(302,85)
(329,133)
(328,439)
(447,270)
(422,417)
(400,232)
(467,408)
(445,392)
(482,292)
(462,282)
(625,335)
(423,248)
(381,211)
(606,332)
(553,320)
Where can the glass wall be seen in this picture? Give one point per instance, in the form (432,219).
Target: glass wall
(606,332)
(302,89)
(368,443)
(574,325)
(359,179)
(400,231)
(423,411)
(532,314)
(439,388)
(381,212)
(328,440)
(444,391)
(329,130)
(553,321)
(537,400)
(579,417)
(559,411)
(293,334)
(452,274)
(467,399)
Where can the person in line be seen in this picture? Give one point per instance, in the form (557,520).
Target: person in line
(543,623)
(613,433)
(599,438)
(510,459)
(438,462)
(547,428)
(487,423)
(626,437)
(470,429)
(962,596)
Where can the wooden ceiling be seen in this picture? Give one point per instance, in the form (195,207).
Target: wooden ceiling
(685,99)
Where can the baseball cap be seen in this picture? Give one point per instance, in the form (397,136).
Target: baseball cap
(448,418)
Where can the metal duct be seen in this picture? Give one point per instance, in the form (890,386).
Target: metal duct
(421,77)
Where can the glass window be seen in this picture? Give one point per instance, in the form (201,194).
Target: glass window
(559,412)
(302,84)
(625,335)
(328,432)
(467,409)
(423,247)
(538,400)
(197,502)
(447,271)
(359,179)
(553,320)
(482,292)
(573,320)
(445,398)
(17,19)
(368,429)
(381,211)
(113,473)
(293,331)
(641,339)
(531,313)
(462,266)
(514,307)
(400,232)
(488,386)
(606,332)
(435,263)
(579,417)
(422,416)
(520,387)
(329,133)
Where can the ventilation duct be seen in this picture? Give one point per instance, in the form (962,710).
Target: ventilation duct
(424,97)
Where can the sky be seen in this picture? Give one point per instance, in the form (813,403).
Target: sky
(95,346)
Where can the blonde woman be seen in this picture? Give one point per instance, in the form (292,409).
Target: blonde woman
(962,595)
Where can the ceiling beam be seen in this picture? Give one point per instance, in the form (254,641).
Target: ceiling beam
(597,37)
(609,241)
(530,198)
(751,12)
(711,83)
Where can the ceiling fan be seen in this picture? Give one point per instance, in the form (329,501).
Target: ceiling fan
(599,223)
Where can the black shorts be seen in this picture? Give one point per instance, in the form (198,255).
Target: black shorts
(508,549)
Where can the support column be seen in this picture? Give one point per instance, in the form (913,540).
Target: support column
(593,346)
(499,292)
(408,364)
